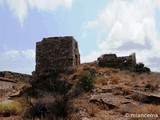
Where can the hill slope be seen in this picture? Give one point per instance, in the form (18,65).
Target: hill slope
(114,93)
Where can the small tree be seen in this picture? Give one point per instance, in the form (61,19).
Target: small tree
(53,98)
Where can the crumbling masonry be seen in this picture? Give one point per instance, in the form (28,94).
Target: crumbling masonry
(56,54)
(111,60)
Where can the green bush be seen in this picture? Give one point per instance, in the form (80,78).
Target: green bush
(53,99)
(37,110)
(140,68)
(86,80)
(92,70)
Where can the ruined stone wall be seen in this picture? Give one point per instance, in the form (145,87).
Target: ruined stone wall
(111,60)
(56,54)
(17,77)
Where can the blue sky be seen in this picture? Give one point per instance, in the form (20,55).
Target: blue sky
(104,26)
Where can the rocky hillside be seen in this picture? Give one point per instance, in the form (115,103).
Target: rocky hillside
(116,93)
(87,93)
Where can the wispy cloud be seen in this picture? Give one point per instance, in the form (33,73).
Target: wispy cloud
(126,22)
(20,8)
(18,60)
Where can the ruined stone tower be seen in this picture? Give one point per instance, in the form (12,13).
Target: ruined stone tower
(56,54)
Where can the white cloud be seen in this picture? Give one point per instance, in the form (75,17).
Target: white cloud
(49,4)
(20,8)
(1,2)
(28,54)
(18,61)
(92,57)
(11,54)
(125,21)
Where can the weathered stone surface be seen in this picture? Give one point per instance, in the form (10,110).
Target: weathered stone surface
(111,60)
(104,101)
(16,94)
(4,85)
(148,97)
(56,54)
(8,81)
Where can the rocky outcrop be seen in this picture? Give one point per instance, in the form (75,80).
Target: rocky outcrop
(147,97)
(8,81)
(14,77)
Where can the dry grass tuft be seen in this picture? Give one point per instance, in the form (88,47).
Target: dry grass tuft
(92,109)
(138,97)
(114,80)
(126,91)
(152,84)
(146,109)
(11,108)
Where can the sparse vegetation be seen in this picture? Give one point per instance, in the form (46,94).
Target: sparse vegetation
(92,70)
(139,97)
(86,81)
(71,92)
(126,91)
(147,109)
(51,94)
(140,68)
(10,108)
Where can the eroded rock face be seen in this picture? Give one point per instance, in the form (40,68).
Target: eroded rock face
(111,60)
(56,54)
(8,81)
(14,77)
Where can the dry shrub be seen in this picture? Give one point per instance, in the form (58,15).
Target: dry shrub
(114,70)
(104,71)
(50,106)
(114,80)
(108,73)
(92,109)
(128,83)
(101,81)
(92,70)
(104,82)
(88,108)
(3,92)
(74,116)
(74,77)
(152,85)
(126,91)
(10,108)
(139,97)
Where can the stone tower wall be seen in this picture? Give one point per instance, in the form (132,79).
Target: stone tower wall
(56,54)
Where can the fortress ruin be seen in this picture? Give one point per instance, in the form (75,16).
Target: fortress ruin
(111,60)
(56,54)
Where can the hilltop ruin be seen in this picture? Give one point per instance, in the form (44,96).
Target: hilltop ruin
(56,54)
(111,60)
